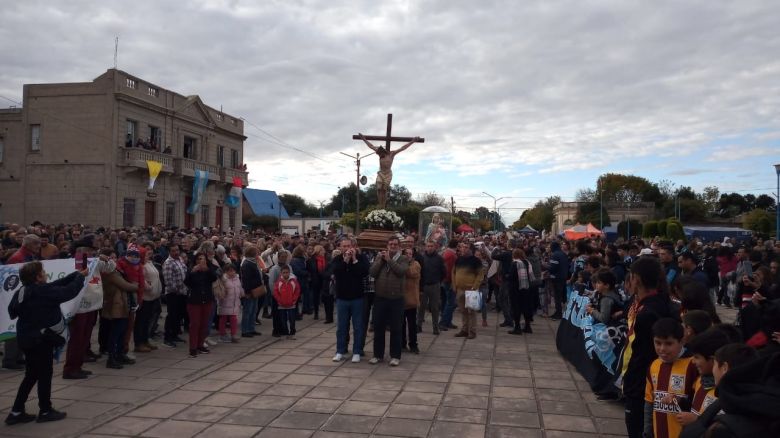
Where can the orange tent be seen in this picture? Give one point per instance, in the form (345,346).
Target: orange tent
(579,231)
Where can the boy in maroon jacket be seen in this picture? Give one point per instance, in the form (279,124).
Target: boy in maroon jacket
(286,293)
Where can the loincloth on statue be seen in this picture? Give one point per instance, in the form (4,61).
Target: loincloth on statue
(383,178)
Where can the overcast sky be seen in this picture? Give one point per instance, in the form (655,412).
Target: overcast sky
(519,99)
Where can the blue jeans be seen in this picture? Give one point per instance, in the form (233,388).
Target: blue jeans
(248,312)
(347,310)
(448,308)
(288,320)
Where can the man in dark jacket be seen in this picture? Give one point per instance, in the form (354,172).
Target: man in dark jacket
(349,269)
(650,303)
(559,273)
(433,273)
(503,254)
(39,328)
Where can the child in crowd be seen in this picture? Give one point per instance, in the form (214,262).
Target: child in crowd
(726,358)
(670,380)
(695,322)
(608,299)
(286,293)
(703,347)
(229,305)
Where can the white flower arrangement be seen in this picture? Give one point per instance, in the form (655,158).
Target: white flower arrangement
(383,219)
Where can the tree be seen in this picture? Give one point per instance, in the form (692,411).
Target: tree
(588,212)
(650,229)
(295,204)
(628,188)
(432,198)
(265,223)
(765,202)
(662,224)
(540,217)
(397,196)
(709,197)
(758,220)
(732,204)
(410,214)
(674,231)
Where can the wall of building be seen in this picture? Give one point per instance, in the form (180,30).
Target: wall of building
(11,166)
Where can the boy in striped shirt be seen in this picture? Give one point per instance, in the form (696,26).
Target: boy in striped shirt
(703,347)
(670,379)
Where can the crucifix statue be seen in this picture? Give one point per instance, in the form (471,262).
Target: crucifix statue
(385,174)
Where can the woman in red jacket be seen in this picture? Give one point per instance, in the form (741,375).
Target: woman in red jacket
(286,293)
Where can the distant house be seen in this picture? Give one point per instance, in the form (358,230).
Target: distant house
(262,203)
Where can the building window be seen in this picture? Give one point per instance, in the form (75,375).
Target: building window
(221,156)
(2,148)
(132,129)
(234,159)
(190,147)
(155,138)
(153,91)
(204,215)
(35,137)
(170,214)
(232,218)
(131,83)
(128,213)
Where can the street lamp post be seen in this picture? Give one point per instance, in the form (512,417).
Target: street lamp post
(495,201)
(777,205)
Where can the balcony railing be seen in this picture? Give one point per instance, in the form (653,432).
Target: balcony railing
(187,167)
(228,174)
(136,157)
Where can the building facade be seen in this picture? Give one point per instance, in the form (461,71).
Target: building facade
(566,212)
(78,152)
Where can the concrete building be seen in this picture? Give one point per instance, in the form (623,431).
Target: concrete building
(566,212)
(78,152)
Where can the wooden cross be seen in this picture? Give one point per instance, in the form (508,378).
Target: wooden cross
(388,137)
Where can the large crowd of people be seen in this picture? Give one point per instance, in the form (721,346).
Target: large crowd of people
(681,372)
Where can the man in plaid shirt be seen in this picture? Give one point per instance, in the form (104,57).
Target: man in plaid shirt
(174,271)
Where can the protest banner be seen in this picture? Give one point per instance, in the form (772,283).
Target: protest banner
(592,347)
(89,298)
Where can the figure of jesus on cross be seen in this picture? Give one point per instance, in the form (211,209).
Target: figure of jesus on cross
(385,174)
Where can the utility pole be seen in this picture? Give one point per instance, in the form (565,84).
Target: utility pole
(357,158)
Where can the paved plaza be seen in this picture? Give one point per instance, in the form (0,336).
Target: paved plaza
(497,385)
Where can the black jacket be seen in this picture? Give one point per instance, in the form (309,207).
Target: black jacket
(349,277)
(433,269)
(199,285)
(251,277)
(40,307)
(651,309)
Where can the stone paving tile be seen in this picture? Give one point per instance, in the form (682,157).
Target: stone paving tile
(203,413)
(229,430)
(418,398)
(157,410)
(127,426)
(272,432)
(512,432)
(89,410)
(271,402)
(363,408)
(412,412)
(319,405)
(447,430)
(351,424)
(462,415)
(300,420)
(287,390)
(465,401)
(610,425)
(251,417)
(226,400)
(563,408)
(516,419)
(434,387)
(467,389)
(403,427)
(373,395)
(514,404)
(569,423)
(174,428)
(184,396)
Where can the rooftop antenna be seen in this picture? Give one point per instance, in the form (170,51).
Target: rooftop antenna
(116,49)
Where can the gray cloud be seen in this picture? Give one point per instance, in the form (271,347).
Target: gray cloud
(554,80)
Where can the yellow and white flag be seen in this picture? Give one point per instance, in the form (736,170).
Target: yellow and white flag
(154,170)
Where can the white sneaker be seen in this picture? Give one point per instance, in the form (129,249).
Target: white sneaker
(355,358)
(338,357)
(209,341)
(395,362)
(374,360)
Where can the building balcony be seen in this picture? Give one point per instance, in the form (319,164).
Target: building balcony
(187,167)
(136,158)
(229,173)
